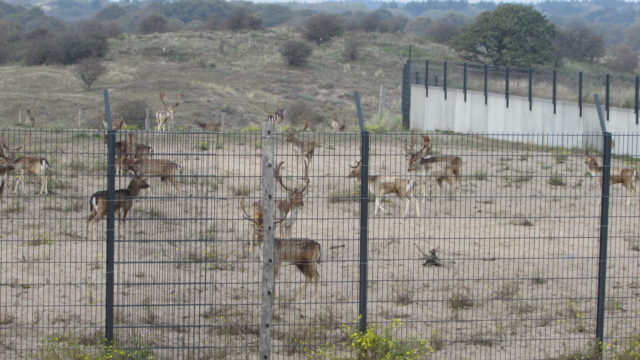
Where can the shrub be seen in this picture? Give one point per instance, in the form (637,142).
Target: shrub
(322,28)
(241,19)
(352,45)
(296,52)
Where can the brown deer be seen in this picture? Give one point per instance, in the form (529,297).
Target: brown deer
(165,169)
(213,127)
(129,148)
(338,124)
(276,116)
(625,176)
(306,148)
(34,165)
(164,118)
(123,203)
(117,122)
(413,157)
(302,252)
(5,168)
(380,186)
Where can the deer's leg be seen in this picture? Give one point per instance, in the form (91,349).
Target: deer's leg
(43,184)
(20,176)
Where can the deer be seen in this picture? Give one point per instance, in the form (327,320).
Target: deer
(306,148)
(166,117)
(123,203)
(276,116)
(5,168)
(213,127)
(165,169)
(413,157)
(30,118)
(304,253)
(34,165)
(624,176)
(117,122)
(380,186)
(338,124)
(129,148)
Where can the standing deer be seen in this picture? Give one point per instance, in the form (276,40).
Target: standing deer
(34,165)
(380,186)
(165,169)
(338,124)
(117,122)
(625,176)
(302,252)
(413,157)
(277,116)
(123,204)
(5,168)
(166,117)
(129,148)
(306,148)
(451,169)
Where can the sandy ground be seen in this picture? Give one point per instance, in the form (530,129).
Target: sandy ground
(518,241)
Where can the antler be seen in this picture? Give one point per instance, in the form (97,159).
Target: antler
(12,151)
(246,214)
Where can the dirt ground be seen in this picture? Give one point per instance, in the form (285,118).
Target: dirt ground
(518,242)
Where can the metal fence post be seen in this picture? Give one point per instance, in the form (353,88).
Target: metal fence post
(111,195)
(268,245)
(506,85)
(580,92)
(464,81)
(486,86)
(444,81)
(406,95)
(364,217)
(604,225)
(426,78)
(530,89)
(606,94)
(555,90)
(636,99)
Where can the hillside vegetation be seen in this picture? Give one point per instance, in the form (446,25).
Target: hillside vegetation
(239,74)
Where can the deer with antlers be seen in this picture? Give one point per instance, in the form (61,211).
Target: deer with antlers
(302,252)
(380,186)
(34,165)
(117,122)
(123,203)
(624,176)
(277,116)
(426,165)
(164,118)
(306,148)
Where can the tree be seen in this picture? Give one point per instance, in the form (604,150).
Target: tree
(514,35)
(296,52)
(89,70)
(580,43)
(632,37)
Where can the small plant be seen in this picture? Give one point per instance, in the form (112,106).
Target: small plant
(252,128)
(561,156)
(37,239)
(13,208)
(243,190)
(64,347)
(403,293)
(556,180)
(203,146)
(460,301)
(352,194)
(374,344)
(480,175)
(507,290)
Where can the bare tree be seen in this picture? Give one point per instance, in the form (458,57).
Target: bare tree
(89,70)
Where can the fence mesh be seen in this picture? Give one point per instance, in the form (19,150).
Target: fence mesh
(500,262)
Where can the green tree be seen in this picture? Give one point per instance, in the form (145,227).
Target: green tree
(514,35)
(322,28)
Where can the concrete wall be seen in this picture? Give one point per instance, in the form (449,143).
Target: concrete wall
(473,116)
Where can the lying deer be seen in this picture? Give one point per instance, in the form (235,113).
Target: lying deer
(301,252)
(213,127)
(123,204)
(34,165)
(165,169)
(306,148)
(383,185)
(625,176)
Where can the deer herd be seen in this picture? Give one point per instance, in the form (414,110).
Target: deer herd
(424,170)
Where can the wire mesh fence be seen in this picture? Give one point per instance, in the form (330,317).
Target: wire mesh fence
(499,260)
